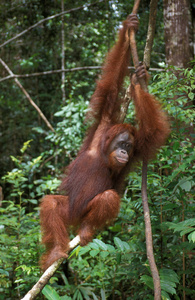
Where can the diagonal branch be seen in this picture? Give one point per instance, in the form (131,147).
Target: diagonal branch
(37,288)
(47,19)
(27,96)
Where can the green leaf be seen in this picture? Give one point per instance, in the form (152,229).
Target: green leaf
(94,245)
(93,253)
(191,237)
(168,275)
(104,254)
(191,95)
(167,287)
(4,272)
(168,280)
(84,250)
(111,248)
(148,281)
(187,224)
(50,293)
(186,231)
(185,184)
(77,295)
(165,296)
(101,244)
(118,258)
(94,296)
(119,244)
(126,245)
(103,295)
(25,146)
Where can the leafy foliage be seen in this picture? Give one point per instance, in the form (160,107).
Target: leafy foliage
(114,265)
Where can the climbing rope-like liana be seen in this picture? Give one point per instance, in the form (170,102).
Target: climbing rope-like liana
(148,228)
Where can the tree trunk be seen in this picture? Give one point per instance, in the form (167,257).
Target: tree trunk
(178,32)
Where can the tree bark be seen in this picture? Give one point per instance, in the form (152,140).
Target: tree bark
(63,55)
(178,32)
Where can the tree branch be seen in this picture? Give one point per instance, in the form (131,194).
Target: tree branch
(65,70)
(125,104)
(27,96)
(50,72)
(47,19)
(151,31)
(63,55)
(37,288)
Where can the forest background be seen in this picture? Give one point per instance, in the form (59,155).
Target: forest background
(42,126)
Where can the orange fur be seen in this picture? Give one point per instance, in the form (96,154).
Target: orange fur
(153,123)
(54,224)
(92,181)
